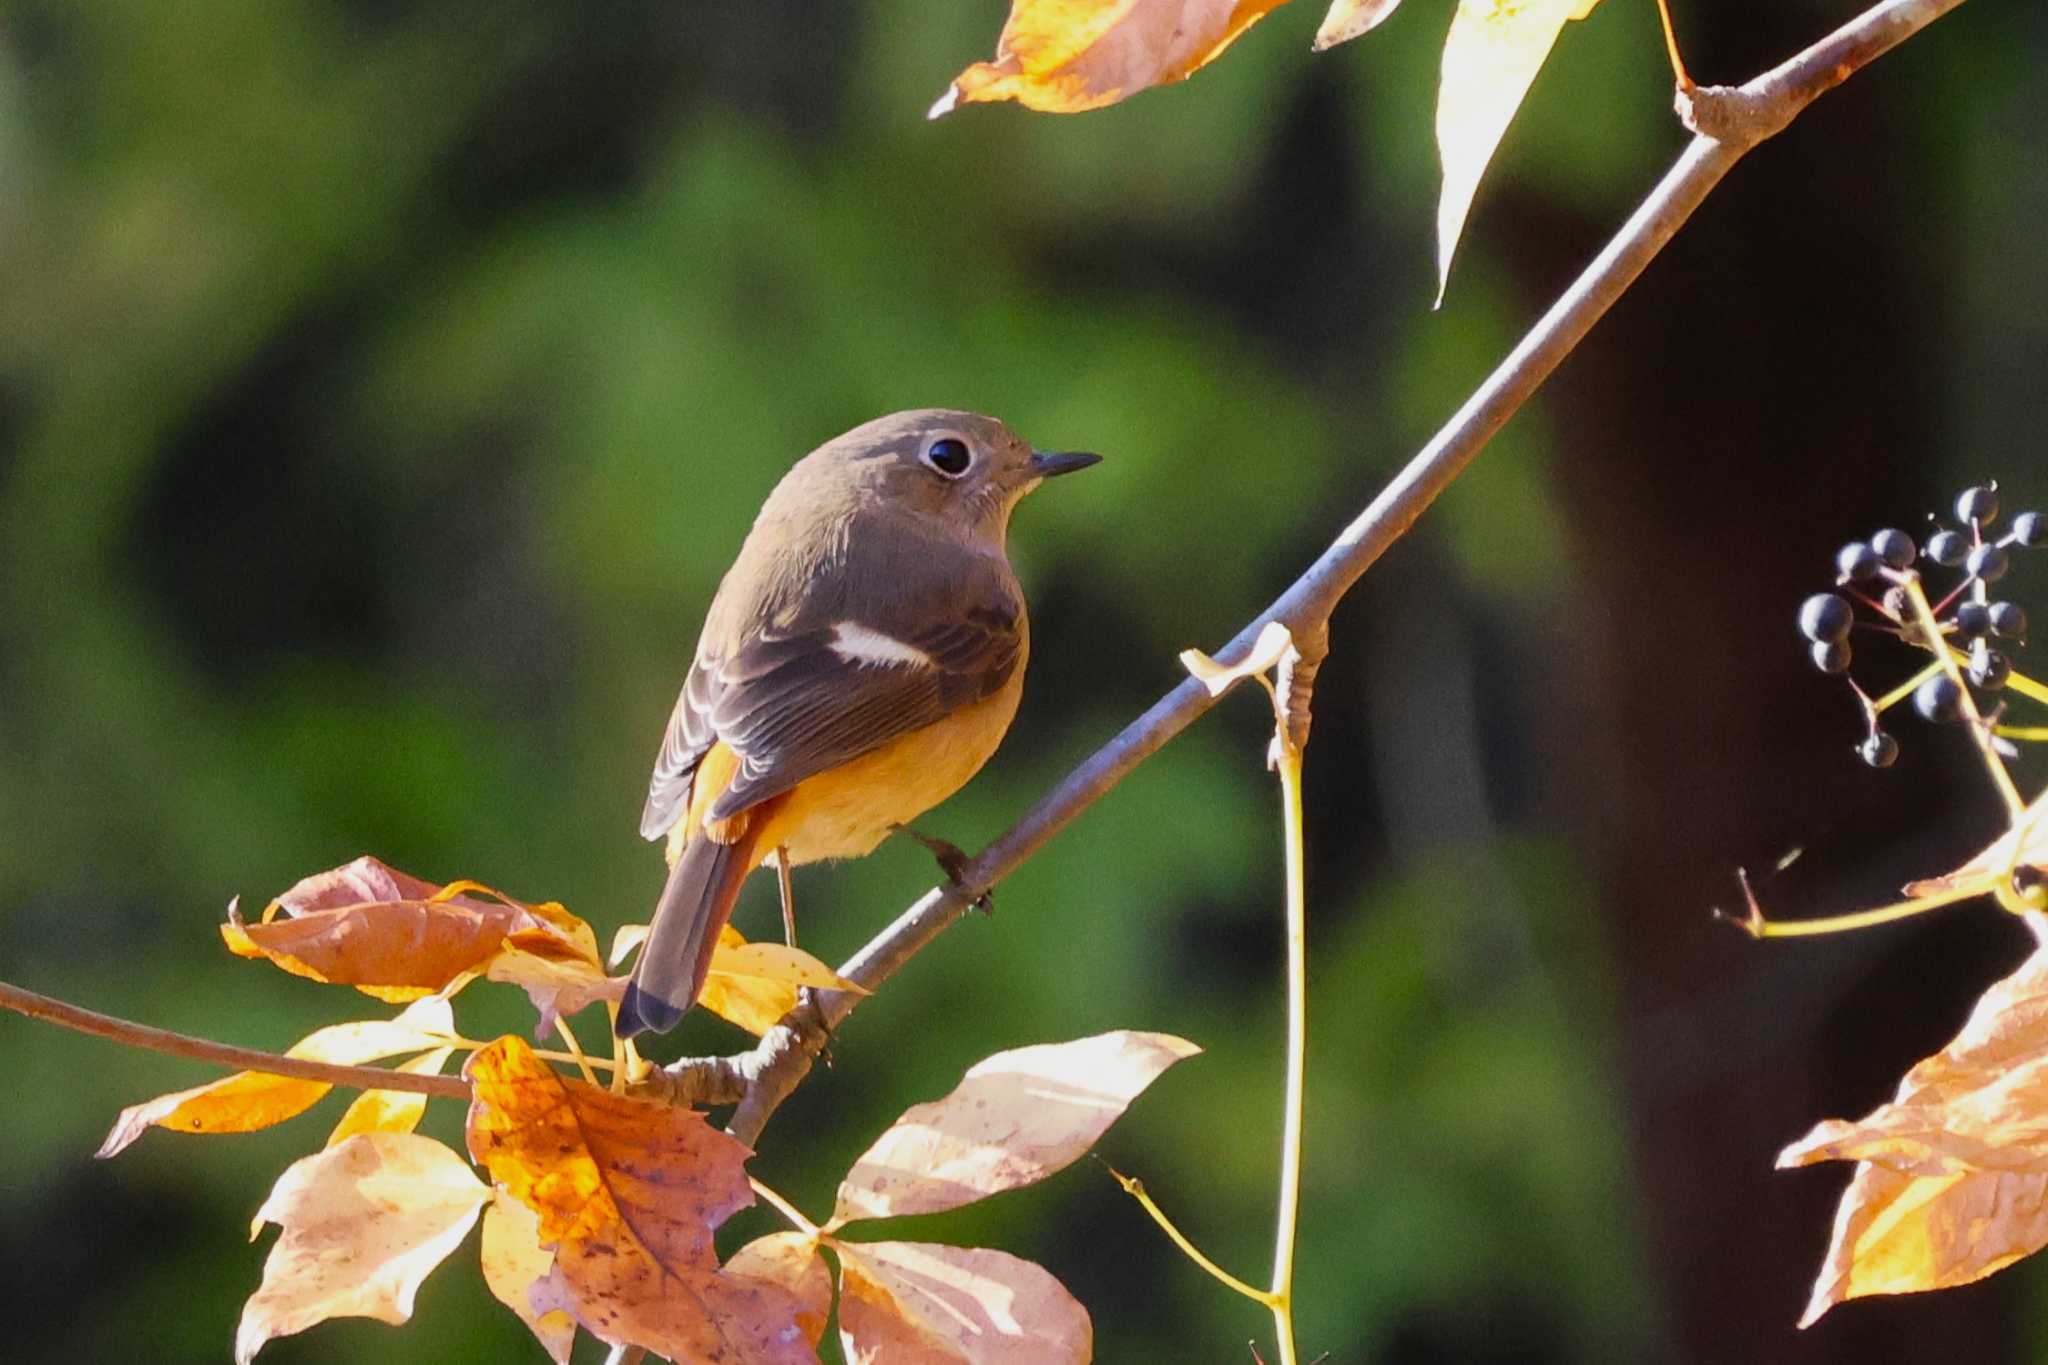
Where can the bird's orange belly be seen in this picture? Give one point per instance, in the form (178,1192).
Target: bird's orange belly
(846,812)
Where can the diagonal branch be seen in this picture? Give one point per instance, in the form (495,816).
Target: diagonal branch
(227,1054)
(1727,123)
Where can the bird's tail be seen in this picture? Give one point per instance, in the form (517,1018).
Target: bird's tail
(694,906)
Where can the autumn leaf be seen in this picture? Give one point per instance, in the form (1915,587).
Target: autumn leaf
(559,977)
(513,1262)
(918,1303)
(392,935)
(1065,56)
(249,1100)
(390,1111)
(1491,58)
(2023,845)
(1015,1118)
(1348,19)
(749,984)
(628,1193)
(1952,1180)
(364,1223)
(791,1260)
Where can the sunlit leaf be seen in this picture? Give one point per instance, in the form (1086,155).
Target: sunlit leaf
(917,1303)
(364,1223)
(755,984)
(390,1111)
(513,1262)
(1015,1118)
(1064,56)
(628,1193)
(1348,19)
(249,1100)
(1952,1180)
(2023,845)
(791,1260)
(558,978)
(1494,51)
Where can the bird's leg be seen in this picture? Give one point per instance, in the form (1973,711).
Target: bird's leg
(788,895)
(952,860)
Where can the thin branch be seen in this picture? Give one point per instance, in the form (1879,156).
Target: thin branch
(246,1058)
(1727,122)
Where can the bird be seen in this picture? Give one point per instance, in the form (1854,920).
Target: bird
(860,661)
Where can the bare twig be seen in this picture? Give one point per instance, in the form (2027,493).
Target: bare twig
(1728,122)
(247,1058)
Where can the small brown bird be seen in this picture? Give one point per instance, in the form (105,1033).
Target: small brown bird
(861,661)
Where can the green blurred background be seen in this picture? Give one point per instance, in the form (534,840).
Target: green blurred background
(384,386)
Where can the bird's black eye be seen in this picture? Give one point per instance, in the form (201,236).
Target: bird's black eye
(949,455)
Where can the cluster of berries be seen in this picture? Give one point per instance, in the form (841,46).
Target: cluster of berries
(1966,615)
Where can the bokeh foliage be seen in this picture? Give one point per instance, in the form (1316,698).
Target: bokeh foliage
(383,388)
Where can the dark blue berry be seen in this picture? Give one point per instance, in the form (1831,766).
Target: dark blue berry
(1988,562)
(1948,547)
(1972,619)
(1938,699)
(1895,548)
(2030,529)
(1880,750)
(2008,619)
(1830,656)
(1856,562)
(1825,616)
(1988,668)
(1978,504)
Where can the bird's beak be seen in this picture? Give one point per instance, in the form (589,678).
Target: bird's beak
(1051,462)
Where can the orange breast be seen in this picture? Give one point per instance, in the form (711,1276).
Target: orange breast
(844,813)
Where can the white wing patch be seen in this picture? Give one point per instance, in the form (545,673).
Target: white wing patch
(857,644)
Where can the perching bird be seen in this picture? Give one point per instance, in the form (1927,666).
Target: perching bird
(861,661)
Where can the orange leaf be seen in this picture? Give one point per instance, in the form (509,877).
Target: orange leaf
(375,928)
(1952,1180)
(918,1303)
(1064,56)
(249,1100)
(791,1260)
(628,1193)
(363,1224)
(514,1261)
(1014,1118)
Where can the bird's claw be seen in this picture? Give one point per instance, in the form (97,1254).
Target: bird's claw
(952,860)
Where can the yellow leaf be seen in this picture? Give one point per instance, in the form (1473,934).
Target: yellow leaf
(1064,56)
(918,1303)
(513,1262)
(628,1193)
(249,1100)
(1952,1180)
(364,1223)
(1494,51)
(755,984)
(390,1111)
(1348,19)
(1015,1118)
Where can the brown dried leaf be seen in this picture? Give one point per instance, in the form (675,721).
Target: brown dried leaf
(1953,1176)
(249,1100)
(919,1303)
(628,1193)
(1491,58)
(1064,56)
(791,1260)
(364,1223)
(513,1262)
(1015,1118)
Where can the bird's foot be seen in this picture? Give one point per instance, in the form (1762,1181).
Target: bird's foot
(952,860)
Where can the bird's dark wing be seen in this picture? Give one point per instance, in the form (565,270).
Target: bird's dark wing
(845,673)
